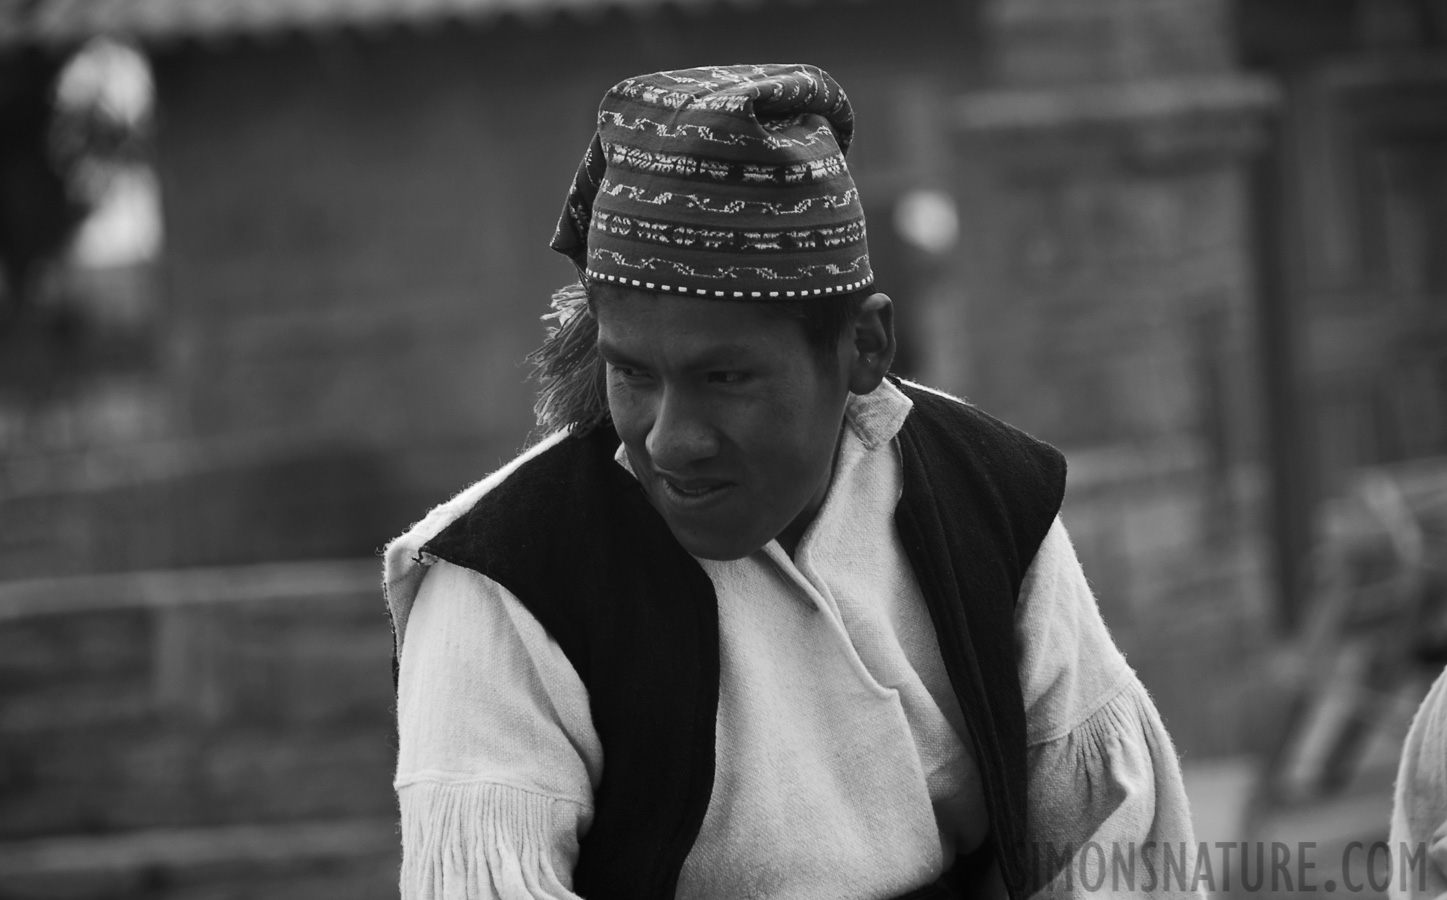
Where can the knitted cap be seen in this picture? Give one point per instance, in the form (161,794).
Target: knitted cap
(726,182)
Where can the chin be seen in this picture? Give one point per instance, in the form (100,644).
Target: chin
(719,549)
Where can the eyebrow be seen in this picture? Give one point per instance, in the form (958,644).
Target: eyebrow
(709,357)
(612,354)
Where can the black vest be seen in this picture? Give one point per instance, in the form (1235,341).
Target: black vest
(573,537)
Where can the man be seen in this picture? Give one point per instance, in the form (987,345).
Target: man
(1418,836)
(761,621)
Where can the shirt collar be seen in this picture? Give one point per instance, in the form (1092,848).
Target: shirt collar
(875,418)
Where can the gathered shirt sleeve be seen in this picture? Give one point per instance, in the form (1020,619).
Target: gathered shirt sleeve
(1419,813)
(497,756)
(1102,769)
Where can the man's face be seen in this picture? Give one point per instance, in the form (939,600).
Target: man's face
(729,419)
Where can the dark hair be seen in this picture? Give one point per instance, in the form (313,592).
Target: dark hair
(824,318)
(572,391)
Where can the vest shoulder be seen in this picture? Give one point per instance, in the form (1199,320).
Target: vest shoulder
(523,508)
(947,422)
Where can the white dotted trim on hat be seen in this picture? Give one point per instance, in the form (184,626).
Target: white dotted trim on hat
(705,292)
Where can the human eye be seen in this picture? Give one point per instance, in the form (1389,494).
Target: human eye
(628,373)
(726,377)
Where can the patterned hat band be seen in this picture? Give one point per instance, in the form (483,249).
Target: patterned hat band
(724,182)
(595,277)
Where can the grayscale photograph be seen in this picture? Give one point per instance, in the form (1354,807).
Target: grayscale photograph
(723,449)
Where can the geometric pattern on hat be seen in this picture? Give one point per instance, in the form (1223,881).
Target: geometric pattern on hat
(721,181)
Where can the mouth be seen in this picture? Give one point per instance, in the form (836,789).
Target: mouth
(693,494)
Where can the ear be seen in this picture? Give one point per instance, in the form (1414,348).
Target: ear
(873,344)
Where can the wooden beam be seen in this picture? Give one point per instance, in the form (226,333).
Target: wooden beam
(289,581)
(182,848)
(1122,103)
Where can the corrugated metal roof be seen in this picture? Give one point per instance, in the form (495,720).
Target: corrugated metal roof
(68,21)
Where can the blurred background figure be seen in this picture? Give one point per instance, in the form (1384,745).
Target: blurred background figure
(245,254)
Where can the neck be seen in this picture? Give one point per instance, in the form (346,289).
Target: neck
(793,533)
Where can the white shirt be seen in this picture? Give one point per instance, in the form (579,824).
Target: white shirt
(843,765)
(1418,838)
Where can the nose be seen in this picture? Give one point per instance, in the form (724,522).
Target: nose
(681,434)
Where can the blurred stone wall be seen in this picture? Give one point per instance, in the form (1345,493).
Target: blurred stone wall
(208,733)
(1105,301)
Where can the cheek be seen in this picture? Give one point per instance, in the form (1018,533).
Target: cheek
(800,438)
(630,417)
